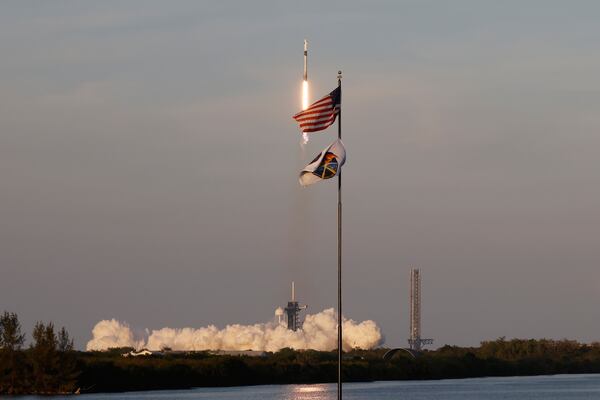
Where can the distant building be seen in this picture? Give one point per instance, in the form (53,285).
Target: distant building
(133,353)
(247,353)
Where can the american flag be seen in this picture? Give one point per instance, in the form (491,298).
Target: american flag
(321,114)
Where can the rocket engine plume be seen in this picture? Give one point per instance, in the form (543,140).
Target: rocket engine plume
(304,95)
(305,87)
(319,332)
(304,107)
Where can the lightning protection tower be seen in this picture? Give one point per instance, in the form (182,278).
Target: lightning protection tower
(293,312)
(415,341)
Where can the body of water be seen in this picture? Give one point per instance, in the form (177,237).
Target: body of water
(557,387)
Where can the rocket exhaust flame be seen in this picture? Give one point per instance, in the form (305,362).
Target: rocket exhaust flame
(305,87)
(304,107)
(304,95)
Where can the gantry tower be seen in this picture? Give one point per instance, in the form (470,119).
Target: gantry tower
(415,341)
(293,312)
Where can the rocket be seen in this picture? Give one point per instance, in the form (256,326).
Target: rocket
(305,60)
(305,83)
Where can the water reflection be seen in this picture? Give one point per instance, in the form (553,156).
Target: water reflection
(561,387)
(310,392)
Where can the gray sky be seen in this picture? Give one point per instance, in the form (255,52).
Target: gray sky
(148,164)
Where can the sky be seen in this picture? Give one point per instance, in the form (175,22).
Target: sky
(149,164)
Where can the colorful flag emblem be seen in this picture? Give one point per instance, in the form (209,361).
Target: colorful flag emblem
(321,114)
(326,165)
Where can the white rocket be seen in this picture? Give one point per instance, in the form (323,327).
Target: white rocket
(305,60)
(305,84)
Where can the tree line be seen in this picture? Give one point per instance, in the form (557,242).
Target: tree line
(109,372)
(48,366)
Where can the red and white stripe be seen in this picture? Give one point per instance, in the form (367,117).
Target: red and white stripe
(318,116)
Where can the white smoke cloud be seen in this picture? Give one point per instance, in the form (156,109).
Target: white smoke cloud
(112,333)
(319,332)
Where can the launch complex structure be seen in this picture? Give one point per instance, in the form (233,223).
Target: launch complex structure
(293,312)
(415,341)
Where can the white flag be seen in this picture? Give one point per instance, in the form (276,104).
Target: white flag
(326,165)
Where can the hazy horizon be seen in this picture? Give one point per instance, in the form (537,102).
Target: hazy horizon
(149,163)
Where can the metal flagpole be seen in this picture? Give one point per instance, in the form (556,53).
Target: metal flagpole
(339,384)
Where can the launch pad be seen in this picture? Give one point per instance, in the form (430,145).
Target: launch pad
(293,312)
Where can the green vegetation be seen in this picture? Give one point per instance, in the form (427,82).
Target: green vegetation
(50,365)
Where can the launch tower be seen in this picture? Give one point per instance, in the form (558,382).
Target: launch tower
(293,312)
(415,342)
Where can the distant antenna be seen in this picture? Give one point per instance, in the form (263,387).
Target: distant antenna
(293,311)
(415,342)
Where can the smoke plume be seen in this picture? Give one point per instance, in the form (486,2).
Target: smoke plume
(319,332)
(112,333)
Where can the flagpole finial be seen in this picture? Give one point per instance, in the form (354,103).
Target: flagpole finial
(340,74)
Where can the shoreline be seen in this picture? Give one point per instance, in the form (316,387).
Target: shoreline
(512,377)
(111,372)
